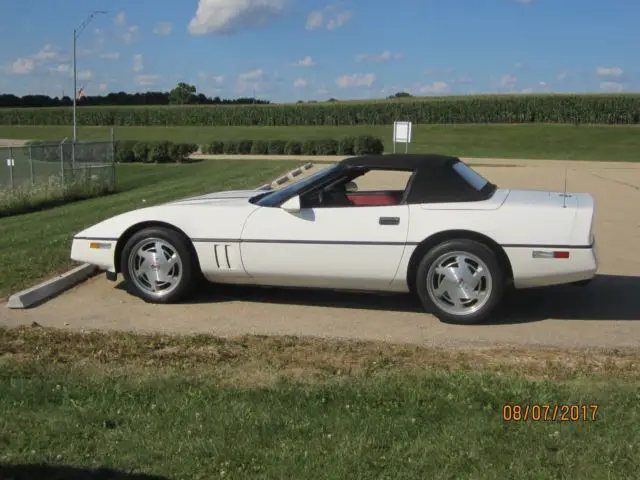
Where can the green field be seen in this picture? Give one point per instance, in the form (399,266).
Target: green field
(534,141)
(203,408)
(36,245)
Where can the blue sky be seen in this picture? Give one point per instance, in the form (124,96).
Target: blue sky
(285,50)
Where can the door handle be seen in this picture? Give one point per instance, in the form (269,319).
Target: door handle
(389,221)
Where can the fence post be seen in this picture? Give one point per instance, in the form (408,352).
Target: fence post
(62,163)
(31,167)
(113,159)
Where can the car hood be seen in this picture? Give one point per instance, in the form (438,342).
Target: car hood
(227,198)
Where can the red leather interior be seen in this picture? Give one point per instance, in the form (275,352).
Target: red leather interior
(374,199)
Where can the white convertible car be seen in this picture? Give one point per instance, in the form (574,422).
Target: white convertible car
(438,229)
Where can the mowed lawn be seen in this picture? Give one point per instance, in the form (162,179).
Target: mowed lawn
(36,245)
(274,408)
(534,141)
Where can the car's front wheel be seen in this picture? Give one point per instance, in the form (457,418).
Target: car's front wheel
(460,281)
(157,266)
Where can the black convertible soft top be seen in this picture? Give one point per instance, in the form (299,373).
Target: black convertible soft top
(409,161)
(437,178)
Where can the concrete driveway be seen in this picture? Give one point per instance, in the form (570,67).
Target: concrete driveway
(605,314)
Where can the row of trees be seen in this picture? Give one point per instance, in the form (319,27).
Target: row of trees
(182,94)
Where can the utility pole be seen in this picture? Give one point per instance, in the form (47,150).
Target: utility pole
(76,34)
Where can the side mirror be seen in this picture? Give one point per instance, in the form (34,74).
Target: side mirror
(292,205)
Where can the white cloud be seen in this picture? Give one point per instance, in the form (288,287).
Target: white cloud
(385,56)
(216,79)
(435,88)
(305,62)
(163,28)
(322,90)
(48,53)
(339,20)
(563,76)
(127,33)
(437,72)
(138,63)
(300,83)
(356,80)
(130,35)
(22,66)
(508,81)
(61,68)
(255,80)
(609,71)
(103,87)
(224,17)
(85,75)
(611,86)
(120,19)
(315,20)
(110,55)
(329,17)
(146,80)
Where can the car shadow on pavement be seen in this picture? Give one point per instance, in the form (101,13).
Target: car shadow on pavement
(64,472)
(607,297)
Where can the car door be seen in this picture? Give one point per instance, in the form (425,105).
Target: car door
(350,247)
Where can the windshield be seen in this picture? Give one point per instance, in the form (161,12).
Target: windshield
(472,177)
(278,196)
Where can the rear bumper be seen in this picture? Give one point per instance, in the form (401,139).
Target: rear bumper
(532,269)
(95,252)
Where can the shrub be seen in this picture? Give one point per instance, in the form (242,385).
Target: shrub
(216,148)
(309,147)
(346,146)
(244,147)
(367,144)
(230,147)
(293,148)
(124,151)
(141,152)
(276,147)
(161,152)
(327,147)
(260,147)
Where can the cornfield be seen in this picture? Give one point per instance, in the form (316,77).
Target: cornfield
(607,109)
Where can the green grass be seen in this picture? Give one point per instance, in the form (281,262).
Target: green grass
(536,141)
(36,245)
(203,408)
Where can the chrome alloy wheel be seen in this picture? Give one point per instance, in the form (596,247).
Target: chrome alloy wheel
(459,283)
(155,266)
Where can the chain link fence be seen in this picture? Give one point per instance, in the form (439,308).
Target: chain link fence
(63,163)
(40,172)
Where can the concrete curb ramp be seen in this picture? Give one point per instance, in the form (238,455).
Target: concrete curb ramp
(35,295)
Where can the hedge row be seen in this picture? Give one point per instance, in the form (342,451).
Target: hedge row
(131,151)
(361,145)
(573,109)
(128,151)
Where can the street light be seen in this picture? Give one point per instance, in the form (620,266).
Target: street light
(76,34)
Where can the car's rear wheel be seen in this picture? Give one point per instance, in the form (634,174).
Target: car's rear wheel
(157,266)
(460,281)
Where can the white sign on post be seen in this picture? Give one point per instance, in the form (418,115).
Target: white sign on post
(402,134)
(11,162)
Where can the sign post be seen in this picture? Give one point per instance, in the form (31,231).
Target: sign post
(11,163)
(402,134)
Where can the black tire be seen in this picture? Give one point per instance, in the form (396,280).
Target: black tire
(187,268)
(481,252)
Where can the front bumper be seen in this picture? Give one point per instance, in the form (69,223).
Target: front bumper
(97,252)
